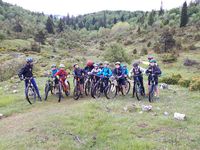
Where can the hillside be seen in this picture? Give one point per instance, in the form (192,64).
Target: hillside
(100,124)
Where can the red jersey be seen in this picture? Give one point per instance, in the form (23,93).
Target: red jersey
(62,74)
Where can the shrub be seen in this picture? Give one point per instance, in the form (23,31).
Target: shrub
(149,44)
(189,62)
(143,52)
(35,47)
(116,52)
(134,51)
(169,58)
(192,47)
(173,79)
(184,82)
(195,84)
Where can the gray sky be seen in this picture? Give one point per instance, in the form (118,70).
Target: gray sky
(76,7)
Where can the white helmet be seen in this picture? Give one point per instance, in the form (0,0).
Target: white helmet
(61,66)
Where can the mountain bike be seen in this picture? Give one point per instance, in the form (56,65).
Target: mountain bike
(48,87)
(60,87)
(99,88)
(30,91)
(152,88)
(77,88)
(138,88)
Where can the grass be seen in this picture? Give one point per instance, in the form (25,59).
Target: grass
(86,124)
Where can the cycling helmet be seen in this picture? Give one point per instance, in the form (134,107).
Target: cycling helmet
(150,57)
(153,61)
(117,63)
(106,62)
(96,65)
(75,64)
(61,66)
(135,64)
(89,63)
(29,59)
(53,65)
(100,63)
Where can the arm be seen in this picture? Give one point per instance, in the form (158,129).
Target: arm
(21,72)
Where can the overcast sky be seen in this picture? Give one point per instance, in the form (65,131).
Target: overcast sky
(76,7)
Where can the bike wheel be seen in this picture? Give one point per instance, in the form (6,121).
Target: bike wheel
(127,87)
(87,87)
(67,93)
(138,92)
(97,91)
(59,91)
(77,93)
(30,94)
(46,90)
(111,91)
(151,93)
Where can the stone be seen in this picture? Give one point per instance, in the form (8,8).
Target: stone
(146,108)
(166,113)
(15,91)
(179,116)
(164,86)
(1,116)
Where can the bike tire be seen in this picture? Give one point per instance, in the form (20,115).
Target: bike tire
(97,90)
(151,93)
(76,93)
(111,91)
(128,87)
(59,92)
(46,90)
(87,87)
(138,92)
(30,91)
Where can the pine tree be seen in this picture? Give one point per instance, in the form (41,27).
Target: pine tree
(61,25)
(122,18)
(184,15)
(94,21)
(104,20)
(151,18)
(50,25)
(161,12)
(115,20)
(40,37)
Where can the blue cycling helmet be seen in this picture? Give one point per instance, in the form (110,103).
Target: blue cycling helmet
(29,59)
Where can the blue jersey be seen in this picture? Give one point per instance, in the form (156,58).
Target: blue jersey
(53,72)
(105,72)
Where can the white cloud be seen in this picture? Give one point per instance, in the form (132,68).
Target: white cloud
(76,7)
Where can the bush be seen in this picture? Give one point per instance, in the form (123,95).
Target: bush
(35,47)
(173,79)
(143,52)
(116,52)
(189,62)
(192,47)
(184,82)
(134,51)
(149,44)
(195,84)
(169,58)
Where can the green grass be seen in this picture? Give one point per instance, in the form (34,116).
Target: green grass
(86,124)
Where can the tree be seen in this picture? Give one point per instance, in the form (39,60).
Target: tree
(151,18)
(161,12)
(115,20)
(18,27)
(61,25)
(94,21)
(104,19)
(184,15)
(40,37)
(122,18)
(50,25)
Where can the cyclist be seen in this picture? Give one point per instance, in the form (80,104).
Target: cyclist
(95,70)
(61,75)
(54,70)
(27,72)
(101,65)
(136,72)
(89,66)
(119,73)
(125,69)
(153,71)
(105,72)
(79,73)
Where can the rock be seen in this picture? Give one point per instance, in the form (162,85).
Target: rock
(146,107)
(166,113)
(1,116)
(140,112)
(179,116)
(130,108)
(164,86)
(43,65)
(15,91)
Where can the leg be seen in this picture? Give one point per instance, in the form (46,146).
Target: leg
(25,86)
(142,84)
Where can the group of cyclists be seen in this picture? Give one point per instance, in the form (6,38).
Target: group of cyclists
(97,70)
